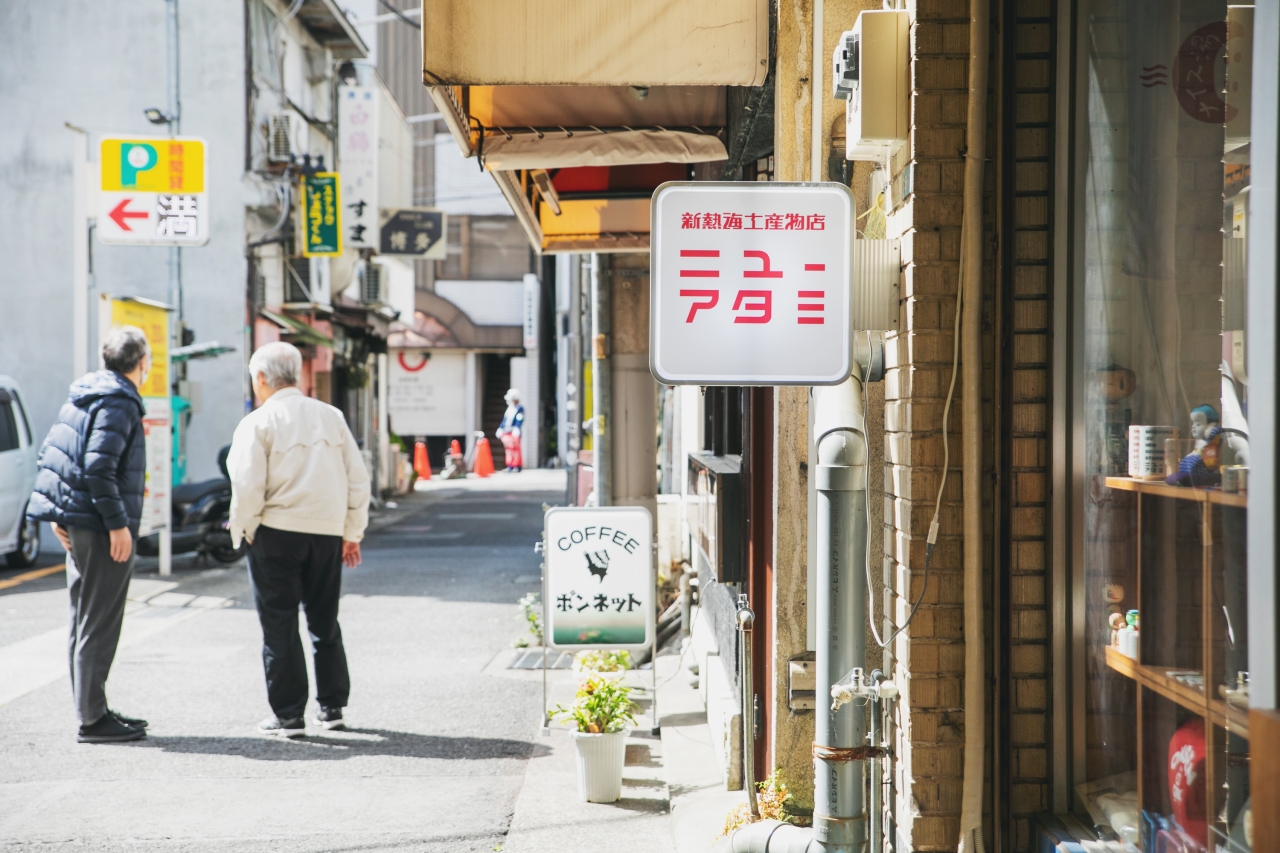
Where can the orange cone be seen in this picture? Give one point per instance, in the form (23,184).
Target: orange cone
(484,459)
(455,449)
(421,463)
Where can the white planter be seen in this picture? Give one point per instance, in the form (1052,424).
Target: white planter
(600,759)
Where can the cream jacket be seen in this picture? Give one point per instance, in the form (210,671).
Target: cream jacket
(295,466)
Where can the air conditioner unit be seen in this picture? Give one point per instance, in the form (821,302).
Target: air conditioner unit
(279,138)
(870,69)
(373,284)
(306,281)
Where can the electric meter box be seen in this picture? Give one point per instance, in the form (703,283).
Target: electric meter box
(873,73)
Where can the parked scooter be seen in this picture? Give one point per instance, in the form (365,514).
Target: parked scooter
(201,514)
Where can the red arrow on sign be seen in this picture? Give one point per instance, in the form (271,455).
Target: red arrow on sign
(121,217)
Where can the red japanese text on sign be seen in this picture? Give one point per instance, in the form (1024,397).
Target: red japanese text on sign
(750,284)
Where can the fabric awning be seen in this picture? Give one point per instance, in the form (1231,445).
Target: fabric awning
(559,149)
(589,43)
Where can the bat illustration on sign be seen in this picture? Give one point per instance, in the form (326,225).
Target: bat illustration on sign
(598,563)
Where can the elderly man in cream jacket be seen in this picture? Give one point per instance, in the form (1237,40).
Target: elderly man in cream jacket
(300,497)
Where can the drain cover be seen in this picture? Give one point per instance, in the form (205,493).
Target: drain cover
(532,659)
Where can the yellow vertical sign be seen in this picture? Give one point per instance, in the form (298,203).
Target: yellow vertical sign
(154,322)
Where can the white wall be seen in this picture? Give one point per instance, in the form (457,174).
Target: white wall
(98,65)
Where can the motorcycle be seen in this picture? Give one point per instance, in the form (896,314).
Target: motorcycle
(201,516)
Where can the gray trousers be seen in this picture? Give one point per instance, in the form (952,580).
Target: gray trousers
(99,587)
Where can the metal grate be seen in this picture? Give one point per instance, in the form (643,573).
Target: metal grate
(532,659)
(279,147)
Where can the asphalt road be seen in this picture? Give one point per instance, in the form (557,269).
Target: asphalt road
(437,750)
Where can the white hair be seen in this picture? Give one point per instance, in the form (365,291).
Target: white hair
(512,394)
(279,363)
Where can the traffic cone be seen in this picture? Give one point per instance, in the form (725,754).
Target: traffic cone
(484,459)
(455,449)
(421,463)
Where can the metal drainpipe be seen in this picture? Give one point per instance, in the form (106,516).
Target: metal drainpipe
(875,772)
(840,819)
(840,753)
(601,385)
(746,620)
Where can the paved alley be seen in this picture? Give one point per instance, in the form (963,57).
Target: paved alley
(440,735)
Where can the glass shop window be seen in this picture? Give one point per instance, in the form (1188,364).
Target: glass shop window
(1165,224)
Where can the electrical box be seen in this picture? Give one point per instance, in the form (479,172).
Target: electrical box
(876,285)
(872,73)
(802,683)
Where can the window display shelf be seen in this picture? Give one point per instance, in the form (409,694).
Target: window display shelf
(1161,489)
(1155,679)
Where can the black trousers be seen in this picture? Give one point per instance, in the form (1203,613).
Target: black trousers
(288,569)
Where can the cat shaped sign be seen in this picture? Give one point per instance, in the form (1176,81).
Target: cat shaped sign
(598,581)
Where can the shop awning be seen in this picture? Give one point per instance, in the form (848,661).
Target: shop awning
(532,137)
(291,325)
(590,43)
(330,27)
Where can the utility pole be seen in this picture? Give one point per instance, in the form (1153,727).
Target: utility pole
(173,108)
(174,111)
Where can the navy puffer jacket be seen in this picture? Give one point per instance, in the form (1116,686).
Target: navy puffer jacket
(93,463)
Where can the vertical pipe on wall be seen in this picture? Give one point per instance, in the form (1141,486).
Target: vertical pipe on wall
(79,253)
(601,385)
(839,815)
(971,413)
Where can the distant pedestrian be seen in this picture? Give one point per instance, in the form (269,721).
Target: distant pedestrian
(510,430)
(300,497)
(90,485)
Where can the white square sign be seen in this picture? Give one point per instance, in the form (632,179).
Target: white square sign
(598,578)
(750,283)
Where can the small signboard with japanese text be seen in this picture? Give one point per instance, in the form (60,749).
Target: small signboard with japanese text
(321,215)
(598,580)
(416,232)
(358,164)
(152,191)
(750,283)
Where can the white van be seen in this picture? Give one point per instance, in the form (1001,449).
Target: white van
(19,537)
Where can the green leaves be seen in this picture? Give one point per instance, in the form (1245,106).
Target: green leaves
(602,706)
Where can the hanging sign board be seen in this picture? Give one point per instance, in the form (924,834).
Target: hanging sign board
(416,232)
(598,581)
(157,419)
(152,191)
(750,283)
(358,162)
(321,215)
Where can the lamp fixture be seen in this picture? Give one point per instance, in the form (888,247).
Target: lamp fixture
(155,115)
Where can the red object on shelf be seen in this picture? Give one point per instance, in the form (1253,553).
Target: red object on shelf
(421,463)
(484,459)
(1186,779)
(455,449)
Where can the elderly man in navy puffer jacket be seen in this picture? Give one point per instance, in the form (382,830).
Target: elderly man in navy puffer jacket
(90,485)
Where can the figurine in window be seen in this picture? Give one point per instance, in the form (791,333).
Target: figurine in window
(1200,467)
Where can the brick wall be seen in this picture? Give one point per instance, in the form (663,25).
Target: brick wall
(1025,158)
(928,661)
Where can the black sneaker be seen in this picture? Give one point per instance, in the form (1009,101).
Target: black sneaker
(132,722)
(330,718)
(292,727)
(109,730)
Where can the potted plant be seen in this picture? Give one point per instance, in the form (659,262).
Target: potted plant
(602,715)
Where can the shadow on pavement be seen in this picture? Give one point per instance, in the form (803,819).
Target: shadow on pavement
(353,743)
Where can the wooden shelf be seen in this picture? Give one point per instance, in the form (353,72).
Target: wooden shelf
(1193,699)
(1159,488)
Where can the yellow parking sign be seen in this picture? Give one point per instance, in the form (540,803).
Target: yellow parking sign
(152,191)
(155,165)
